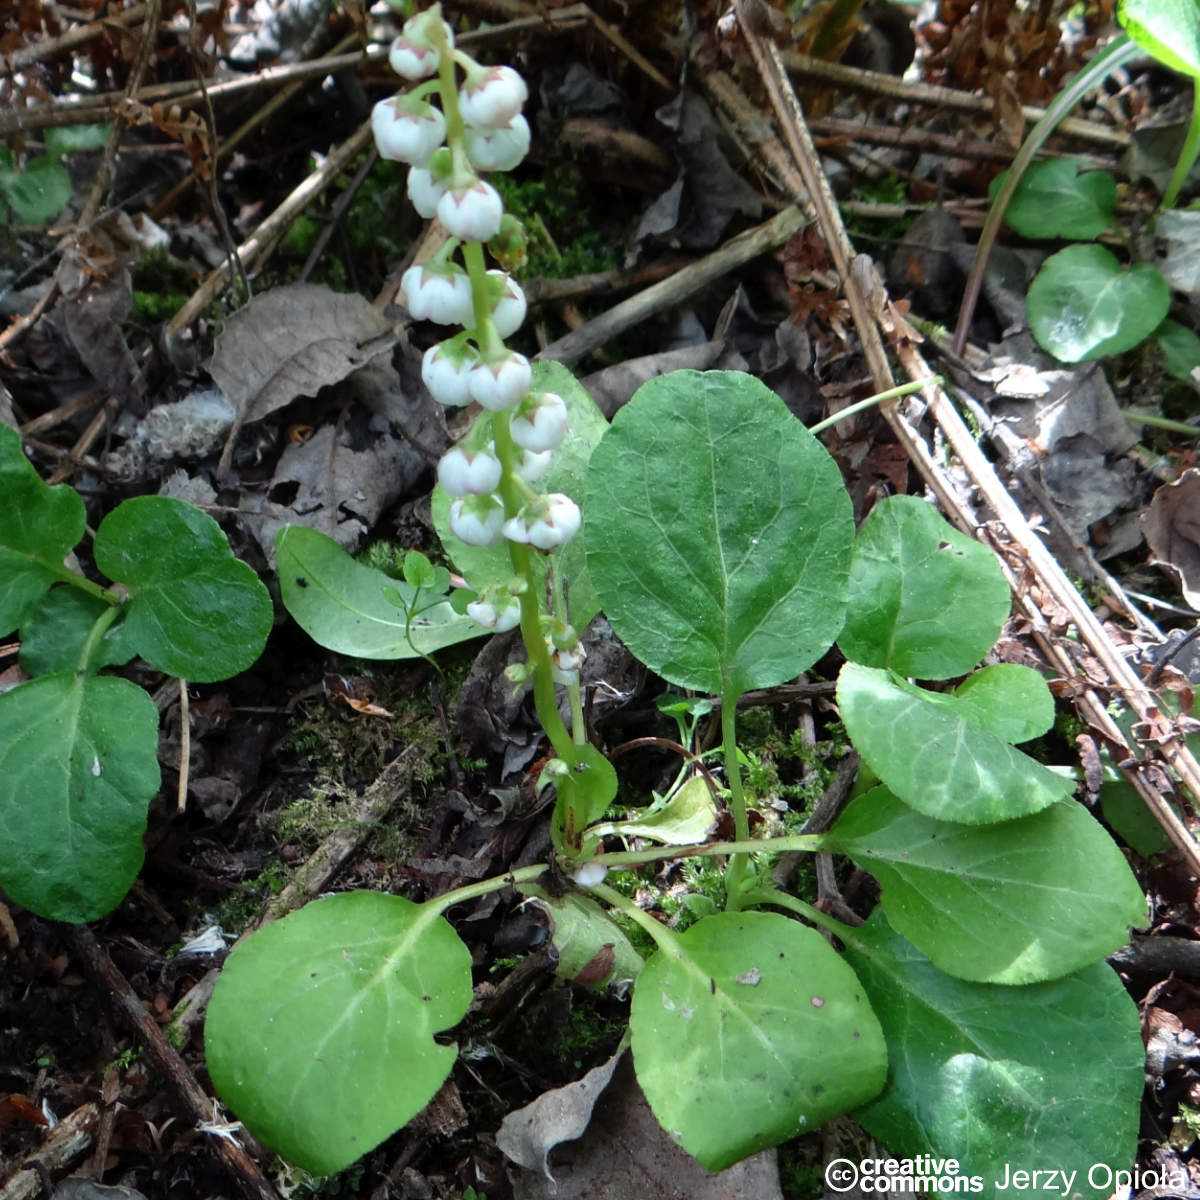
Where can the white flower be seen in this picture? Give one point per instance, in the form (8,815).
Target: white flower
(477,520)
(533,466)
(446,370)
(499,385)
(464,472)
(442,294)
(498,149)
(508,312)
(471,213)
(545,523)
(424,191)
(540,422)
(407,130)
(590,873)
(492,98)
(412,61)
(414,54)
(501,616)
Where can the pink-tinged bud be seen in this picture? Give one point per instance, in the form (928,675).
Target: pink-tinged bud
(508,310)
(501,616)
(477,520)
(446,370)
(472,213)
(545,523)
(540,422)
(469,473)
(499,385)
(492,97)
(498,149)
(415,53)
(412,61)
(533,466)
(441,294)
(407,130)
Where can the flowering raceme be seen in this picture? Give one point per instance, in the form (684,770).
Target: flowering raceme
(479,127)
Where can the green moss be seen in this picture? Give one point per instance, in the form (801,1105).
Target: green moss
(565,239)
(161,285)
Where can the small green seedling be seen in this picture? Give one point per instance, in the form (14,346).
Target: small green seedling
(38,191)
(79,748)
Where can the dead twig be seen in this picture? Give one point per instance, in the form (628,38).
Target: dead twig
(737,251)
(69,1140)
(115,989)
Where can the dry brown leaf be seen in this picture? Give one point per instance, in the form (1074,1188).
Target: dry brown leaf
(1172,528)
(293,341)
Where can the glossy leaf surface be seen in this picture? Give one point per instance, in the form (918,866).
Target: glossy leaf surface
(928,601)
(1047,1075)
(78,768)
(320,1031)
(752,1030)
(1083,304)
(1018,902)
(718,533)
(39,527)
(346,606)
(194,609)
(932,753)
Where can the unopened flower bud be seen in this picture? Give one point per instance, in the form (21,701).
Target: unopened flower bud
(463,472)
(414,54)
(492,97)
(498,149)
(565,664)
(533,466)
(499,385)
(545,523)
(446,369)
(439,293)
(500,614)
(407,130)
(540,422)
(427,184)
(477,520)
(471,213)
(508,310)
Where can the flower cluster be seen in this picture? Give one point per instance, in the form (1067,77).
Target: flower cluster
(479,127)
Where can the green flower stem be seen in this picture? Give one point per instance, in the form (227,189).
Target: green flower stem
(839,929)
(101,626)
(1187,155)
(664,939)
(1166,423)
(905,389)
(485,887)
(735,873)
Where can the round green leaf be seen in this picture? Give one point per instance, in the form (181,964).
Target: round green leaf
(1083,304)
(38,193)
(1168,30)
(194,610)
(1017,902)
(53,637)
(938,754)
(1007,699)
(1180,347)
(319,1034)
(1003,1078)
(347,607)
(39,527)
(1055,200)
(928,601)
(718,533)
(749,1030)
(484,566)
(78,768)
